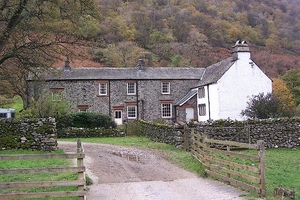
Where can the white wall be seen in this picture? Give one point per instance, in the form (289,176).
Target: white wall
(242,81)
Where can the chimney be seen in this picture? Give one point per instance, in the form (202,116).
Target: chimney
(67,65)
(141,64)
(241,50)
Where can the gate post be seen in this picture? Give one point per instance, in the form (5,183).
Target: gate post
(261,154)
(81,175)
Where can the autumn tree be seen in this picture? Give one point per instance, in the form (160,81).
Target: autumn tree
(281,91)
(34,34)
(292,80)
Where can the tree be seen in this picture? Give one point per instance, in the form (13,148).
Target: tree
(284,95)
(262,107)
(44,106)
(292,80)
(34,34)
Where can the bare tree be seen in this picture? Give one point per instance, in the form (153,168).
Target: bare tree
(35,33)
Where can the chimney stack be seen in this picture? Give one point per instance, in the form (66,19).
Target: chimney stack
(67,65)
(241,50)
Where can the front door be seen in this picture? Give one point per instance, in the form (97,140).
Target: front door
(118,117)
(189,114)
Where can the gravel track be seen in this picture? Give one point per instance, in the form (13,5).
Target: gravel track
(125,173)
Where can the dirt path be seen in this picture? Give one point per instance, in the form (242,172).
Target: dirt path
(122,173)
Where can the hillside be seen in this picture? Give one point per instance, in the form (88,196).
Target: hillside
(197,32)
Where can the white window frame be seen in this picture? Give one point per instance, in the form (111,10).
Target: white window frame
(201,92)
(166,112)
(131,87)
(165,88)
(129,112)
(202,109)
(102,89)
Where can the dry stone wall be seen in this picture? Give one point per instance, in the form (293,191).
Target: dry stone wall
(282,132)
(35,134)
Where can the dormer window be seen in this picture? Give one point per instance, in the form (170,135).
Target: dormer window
(165,88)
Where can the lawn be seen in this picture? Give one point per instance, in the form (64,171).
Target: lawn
(282,165)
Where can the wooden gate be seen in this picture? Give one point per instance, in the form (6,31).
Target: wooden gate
(80,182)
(227,161)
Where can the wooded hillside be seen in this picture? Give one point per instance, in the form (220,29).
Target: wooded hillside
(198,32)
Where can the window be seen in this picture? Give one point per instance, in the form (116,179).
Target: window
(201,92)
(3,115)
(83,108)
(202,109)
(57,94)
(166,110)
(131,88)
(102,89)
(118,114)
(131,112)
(165,87)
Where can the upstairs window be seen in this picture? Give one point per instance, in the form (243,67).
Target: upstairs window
(201,92)
(102,89)
(165,87)
(202,109)
(131,88)
(166,110)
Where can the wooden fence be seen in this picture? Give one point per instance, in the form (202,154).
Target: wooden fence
(80,182)
(225,160)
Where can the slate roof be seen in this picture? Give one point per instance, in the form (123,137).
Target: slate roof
(187,97)
(149,73)
(214,72)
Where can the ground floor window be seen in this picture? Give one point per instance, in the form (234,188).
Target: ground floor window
(166,110)
(202,109)
(131,112)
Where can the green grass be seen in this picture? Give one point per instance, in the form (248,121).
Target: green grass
(39,163)
(282,165)
(17,104)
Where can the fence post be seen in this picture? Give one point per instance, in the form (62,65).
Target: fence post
(186,142)
(81,175)
(261,154)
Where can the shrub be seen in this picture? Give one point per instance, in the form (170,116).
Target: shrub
(86,120)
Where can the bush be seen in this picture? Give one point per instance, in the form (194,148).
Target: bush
(85,120)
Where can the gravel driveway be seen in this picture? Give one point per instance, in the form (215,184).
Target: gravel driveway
(124,173)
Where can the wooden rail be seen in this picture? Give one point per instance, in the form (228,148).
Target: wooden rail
(80,182)
(222,161)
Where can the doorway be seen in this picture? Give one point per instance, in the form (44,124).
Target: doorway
(118,117)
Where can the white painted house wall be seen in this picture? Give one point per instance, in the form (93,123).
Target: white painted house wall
(229,95)
(242,81)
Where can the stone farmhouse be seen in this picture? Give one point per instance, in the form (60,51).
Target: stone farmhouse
(219,91)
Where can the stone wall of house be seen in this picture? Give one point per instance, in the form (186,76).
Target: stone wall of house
(38,134)
(148,97)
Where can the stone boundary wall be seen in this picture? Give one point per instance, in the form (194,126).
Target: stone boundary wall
(162,133)
(35,134)
(281,132)
(72,132)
